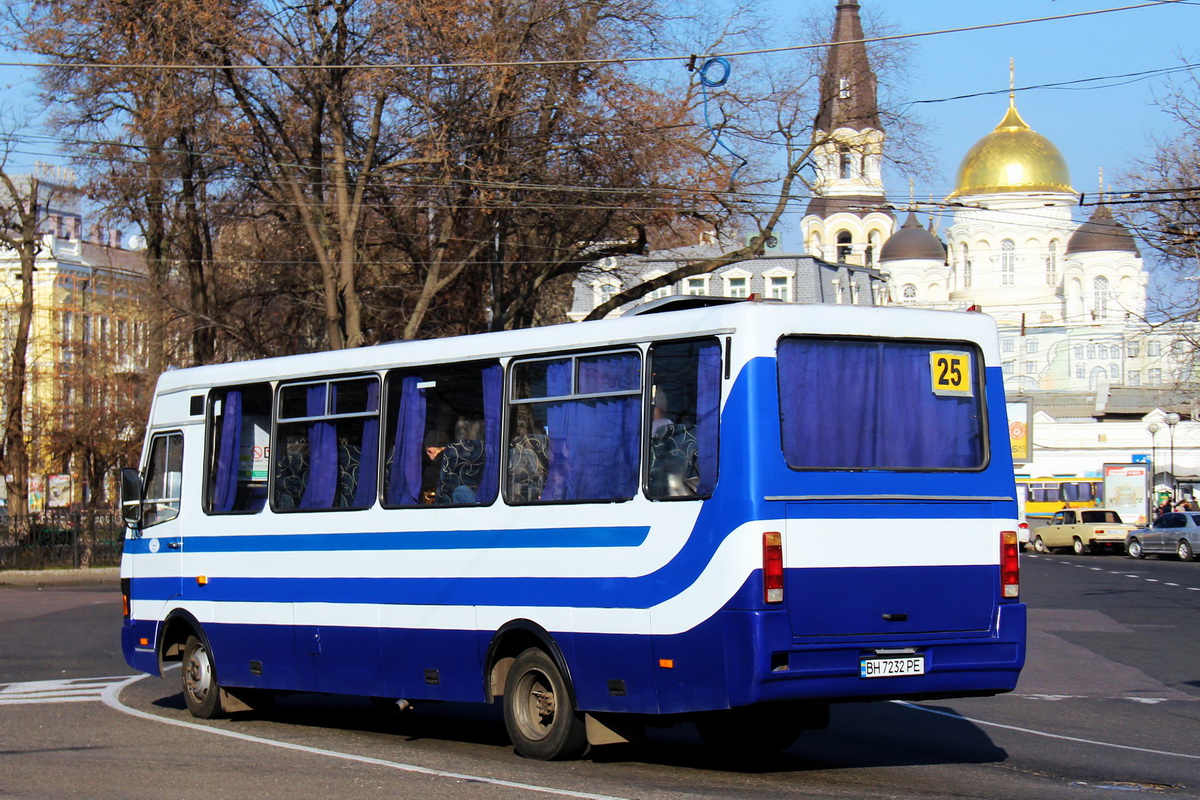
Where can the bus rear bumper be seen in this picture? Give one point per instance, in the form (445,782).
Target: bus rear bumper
(962,666)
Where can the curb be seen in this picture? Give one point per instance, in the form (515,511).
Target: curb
(100,576)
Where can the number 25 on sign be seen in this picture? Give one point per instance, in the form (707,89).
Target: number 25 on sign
(950,372)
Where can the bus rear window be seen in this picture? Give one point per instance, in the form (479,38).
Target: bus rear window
(872,404)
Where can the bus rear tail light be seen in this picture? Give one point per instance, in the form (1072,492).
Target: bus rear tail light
(1010,568)
(773,567)
(126,610)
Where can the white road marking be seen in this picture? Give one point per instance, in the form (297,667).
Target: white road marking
(1046,734)
(74,690)
(112,698)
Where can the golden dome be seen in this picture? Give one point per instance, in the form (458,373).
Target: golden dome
(1012,158)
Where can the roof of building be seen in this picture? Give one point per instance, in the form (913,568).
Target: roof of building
(912,242)
(1113,402)
(848,84)
(1101,233)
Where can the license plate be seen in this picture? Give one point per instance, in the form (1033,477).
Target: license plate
(891,667)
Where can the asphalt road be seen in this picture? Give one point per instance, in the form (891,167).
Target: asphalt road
(1108,702)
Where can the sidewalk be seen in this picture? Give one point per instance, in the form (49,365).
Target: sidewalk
(39,578)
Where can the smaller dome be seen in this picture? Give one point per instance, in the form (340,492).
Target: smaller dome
(912,242)
(1101,234)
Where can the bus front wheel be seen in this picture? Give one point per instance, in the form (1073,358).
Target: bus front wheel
(538,711)
(200,689)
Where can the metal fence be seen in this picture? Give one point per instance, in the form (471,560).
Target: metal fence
(61,538)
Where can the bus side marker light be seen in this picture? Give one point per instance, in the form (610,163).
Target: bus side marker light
(773,567)
(667,663)
(202,580)
(1010,570)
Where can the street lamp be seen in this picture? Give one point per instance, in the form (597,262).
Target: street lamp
(1172,420)
(1154,428)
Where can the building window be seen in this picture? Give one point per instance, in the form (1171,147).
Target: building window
(909,292)
(696,286)
(967,274)
(1100,288)
(1008,368)
(1008,262)
(845,164)
(1154,348)
(1154,376)
(1080,371)
(1091,351)
(1052,264)
(1132,348)
(1134,377)
(843,88)
(1007,346)
(1031,345)
(603,292)
(1079,351)
(1030,367)
(778,287)
(737,283)
(1114,372)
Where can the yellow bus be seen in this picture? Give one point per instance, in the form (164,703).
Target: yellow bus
(1045,495)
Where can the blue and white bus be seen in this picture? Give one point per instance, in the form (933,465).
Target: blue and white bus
(734,514)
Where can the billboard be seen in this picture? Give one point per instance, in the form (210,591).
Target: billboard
(1020,431)
(1127,491)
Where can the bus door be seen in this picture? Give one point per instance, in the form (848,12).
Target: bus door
(161,531)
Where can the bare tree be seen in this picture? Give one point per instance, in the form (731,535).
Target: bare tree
(20,235)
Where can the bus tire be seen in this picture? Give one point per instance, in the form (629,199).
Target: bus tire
(201,691)
(539,712)
(749,732)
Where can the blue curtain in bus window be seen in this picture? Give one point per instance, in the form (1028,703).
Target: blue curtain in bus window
(493,407)
(322,453)
(708,410)
(229,452)
(593,443)
(885,414)
(404,481)
(364,490)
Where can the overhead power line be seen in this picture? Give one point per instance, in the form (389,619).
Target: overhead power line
(689,59)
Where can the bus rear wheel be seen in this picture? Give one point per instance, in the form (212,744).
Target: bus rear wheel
(538,711)
(200,689)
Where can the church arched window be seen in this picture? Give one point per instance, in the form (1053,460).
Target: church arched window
(843,247)
(966,266)
(1008,262)
(910,292)
(1100,290)
(1052,264)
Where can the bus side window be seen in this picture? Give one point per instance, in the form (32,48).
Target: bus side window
(239,435)
(684,406)
(164,480)
(326,448)
(443,436)
(574,427)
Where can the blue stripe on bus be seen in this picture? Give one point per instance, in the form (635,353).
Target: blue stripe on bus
(631,536)
(641,592)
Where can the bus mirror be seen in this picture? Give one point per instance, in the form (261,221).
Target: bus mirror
(131,497)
